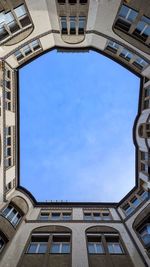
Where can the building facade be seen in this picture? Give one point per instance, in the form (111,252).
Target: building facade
(66,234)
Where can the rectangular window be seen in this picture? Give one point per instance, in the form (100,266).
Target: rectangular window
(140,63)
(12,215)
(135,202)
(112,46)
(38,244)
(64,29)
(8,90)
(126,54)
(128,209)
(60,244)
(142,30)
(2,243)
(27,50)
(97,215)
(95,245)
(44,216)
(72,25)
(14,21)
(125,18)
(9,147)
(81,27)
(113,245)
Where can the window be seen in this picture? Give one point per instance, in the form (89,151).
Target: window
(103,243)
(128,209)
(113,245)
(10,185)
(9,147)
(144,130)
(11,214)
(97,215)
(2,242)
(112,46)
(142,30)
(95,245)
(73,25)
(38,244)
(140,63)
(55,216)
(126,54)
(135,201)
(8,90)
(13,22)
(144,233)
(27,50)
(125,18)
(147,92)
(60,244)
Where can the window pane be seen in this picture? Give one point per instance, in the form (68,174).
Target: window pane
(2,243)
(117,249)
(55,248)
(32,248)
(16,219)
(7,210)
(9,18)
(99,249)
(20,11)
(91,248)
(42,248)
(65,248)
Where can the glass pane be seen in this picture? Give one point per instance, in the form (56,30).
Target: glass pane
(32,248)
(132,15)
(123,11)
(9,18)
(1,243)
(20,11)
(55,216)
(55,248)
(91,248)
(7,210)
(136,202)
(42,248)
(65,248)
(110,248)
(146,239)
(16,219)
(2,18)
(99,248)
(117,249)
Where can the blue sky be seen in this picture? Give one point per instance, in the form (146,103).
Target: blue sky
(77,112)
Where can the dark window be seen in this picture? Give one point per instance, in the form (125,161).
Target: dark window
(11,214)
(60,244)
(95,245)
(38,244)
(113,245)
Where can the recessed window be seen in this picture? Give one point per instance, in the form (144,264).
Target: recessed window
(113,245)
(61,2)
(65,216)
(60,244)
(140,63)
(95,245)
(142,30)
(128,209)
(72,2)
(102,215)
(9,147)
(135,201)
(27,50)
(144,130)
(125,18)
(38,244)
(144,233)
(126,54)
(13,22)
(2,243)
(73,25)
(12,214)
